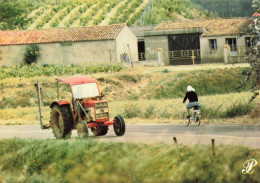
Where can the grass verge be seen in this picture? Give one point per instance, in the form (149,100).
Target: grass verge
(224,106)
(90,161)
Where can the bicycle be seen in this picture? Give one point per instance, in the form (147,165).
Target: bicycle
(195,116)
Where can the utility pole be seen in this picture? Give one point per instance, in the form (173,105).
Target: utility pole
(130,56)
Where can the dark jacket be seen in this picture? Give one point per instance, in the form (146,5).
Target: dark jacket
(192,96)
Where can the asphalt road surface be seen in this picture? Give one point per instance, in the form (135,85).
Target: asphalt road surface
(246,135)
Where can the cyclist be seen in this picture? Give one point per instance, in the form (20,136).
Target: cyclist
(193,99)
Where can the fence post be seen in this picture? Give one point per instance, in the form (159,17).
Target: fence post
(110,56)
(160,56)
(130,56)
(226,53)
(193,57)
(175,141)
(213,147)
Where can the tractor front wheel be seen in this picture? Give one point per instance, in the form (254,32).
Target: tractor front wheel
(82,129)
(119,125)
(61,121)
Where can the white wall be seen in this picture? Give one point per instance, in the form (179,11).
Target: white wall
(12,55)
(218,56)
(125,37)
(93,52)
(152,43)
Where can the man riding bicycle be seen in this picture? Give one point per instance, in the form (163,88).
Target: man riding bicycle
(193,99)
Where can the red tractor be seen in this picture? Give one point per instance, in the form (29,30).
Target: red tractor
(86,110)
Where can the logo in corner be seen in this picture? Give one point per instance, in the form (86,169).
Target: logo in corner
(248,166)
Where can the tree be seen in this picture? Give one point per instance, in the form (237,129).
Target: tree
(31,54)
(253,53)
(11,15)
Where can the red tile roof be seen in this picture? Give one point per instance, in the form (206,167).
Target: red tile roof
(97,33)
(214,27)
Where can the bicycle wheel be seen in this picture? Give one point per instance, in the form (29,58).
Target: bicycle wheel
(197,118)
(186,121)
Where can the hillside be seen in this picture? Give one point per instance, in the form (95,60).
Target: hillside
(44,14)
(226,8)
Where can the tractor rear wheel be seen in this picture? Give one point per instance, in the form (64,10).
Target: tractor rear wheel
(82,129)
(119,125)
(99,131)
(61,121)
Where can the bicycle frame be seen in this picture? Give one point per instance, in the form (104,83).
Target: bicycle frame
(194,116)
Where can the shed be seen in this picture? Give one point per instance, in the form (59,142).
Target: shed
(92,45)
(203,40)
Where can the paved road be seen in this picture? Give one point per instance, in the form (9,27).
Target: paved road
(191,135)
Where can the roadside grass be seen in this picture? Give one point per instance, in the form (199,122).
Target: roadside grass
(33,70)
(222,106)
(206,82)
(212,106)
(77,160)
(152,94)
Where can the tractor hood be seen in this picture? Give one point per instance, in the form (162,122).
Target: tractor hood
(77,80)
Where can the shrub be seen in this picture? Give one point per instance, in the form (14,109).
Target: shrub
(131,111)
(149,113)
(31,54)
(129,78)
(236,109)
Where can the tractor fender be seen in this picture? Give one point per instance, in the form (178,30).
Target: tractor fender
(59,103)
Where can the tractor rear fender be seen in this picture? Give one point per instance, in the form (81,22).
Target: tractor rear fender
(60,103)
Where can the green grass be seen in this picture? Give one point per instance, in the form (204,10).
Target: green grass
(33,70)
(236,109)
(206,82)
(90,161)
(217,106)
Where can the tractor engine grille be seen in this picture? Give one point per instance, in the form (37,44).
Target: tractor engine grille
(102,110)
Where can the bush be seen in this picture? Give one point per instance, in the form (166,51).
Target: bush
(237,109)
(129,78)
(131,111)
(31,54)
(149,113)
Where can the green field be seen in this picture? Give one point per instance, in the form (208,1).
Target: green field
(90,161)
(45,14)
(155,95)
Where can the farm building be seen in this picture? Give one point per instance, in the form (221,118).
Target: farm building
(198,41)
(99,44)
(139,32)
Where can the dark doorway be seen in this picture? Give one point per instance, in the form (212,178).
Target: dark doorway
(183,47)
(141,51)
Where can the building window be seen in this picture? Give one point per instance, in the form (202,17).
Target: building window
(213,45)
(249,42)
(232,42)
